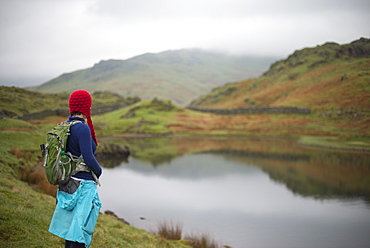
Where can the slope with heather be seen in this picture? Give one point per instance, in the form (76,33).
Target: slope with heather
(326,76)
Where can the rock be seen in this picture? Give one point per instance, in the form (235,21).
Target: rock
(112,150)
(111,213)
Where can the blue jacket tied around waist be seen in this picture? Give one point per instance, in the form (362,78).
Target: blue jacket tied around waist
(76,214)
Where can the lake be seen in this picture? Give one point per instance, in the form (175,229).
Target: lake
(243,191)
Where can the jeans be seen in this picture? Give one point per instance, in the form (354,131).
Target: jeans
(71,244)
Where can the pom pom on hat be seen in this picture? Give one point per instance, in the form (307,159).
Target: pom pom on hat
(81,101)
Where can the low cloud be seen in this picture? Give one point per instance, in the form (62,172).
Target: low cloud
(42,39)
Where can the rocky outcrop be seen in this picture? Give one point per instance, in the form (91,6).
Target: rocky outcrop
(5,113)
(324,54)
(358,48)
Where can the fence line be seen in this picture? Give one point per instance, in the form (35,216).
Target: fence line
(65,112)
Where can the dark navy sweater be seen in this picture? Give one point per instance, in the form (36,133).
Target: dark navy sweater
(80,143)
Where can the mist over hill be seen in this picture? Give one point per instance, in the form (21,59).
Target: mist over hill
(179,75)
(326,76)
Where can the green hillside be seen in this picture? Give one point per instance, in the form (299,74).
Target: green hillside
(326,76)
(18,102)
(180,75)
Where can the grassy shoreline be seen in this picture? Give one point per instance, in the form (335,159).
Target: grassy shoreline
(335,143)
(26,213)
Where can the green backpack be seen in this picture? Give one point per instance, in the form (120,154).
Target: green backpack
(60,165)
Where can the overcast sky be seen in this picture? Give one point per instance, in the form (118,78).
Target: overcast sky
(42,39)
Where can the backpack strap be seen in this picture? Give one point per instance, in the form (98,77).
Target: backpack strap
(81,166)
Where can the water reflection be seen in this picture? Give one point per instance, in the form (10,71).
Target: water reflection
(305,171)
(247,192)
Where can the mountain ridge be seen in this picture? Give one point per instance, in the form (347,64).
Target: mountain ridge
(177,75)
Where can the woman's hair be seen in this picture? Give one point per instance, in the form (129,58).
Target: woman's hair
(74,113)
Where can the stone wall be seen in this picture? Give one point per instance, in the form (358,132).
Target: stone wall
(255,110)
(65,112)
(105,109)
(44,113)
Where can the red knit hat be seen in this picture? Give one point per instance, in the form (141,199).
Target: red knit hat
(81,101)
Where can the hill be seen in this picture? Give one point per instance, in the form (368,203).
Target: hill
(159,117)
(26,104)
(326,76)
(115,115)
(180,75)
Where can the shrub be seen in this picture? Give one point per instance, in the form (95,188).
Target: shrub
(202,241)
(169,231)
(16,152)
(36,178)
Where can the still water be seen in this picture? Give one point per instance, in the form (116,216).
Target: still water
(244,192)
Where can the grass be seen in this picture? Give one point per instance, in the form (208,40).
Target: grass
(25,216)
(148,117)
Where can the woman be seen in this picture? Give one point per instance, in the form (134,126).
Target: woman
(78,202)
